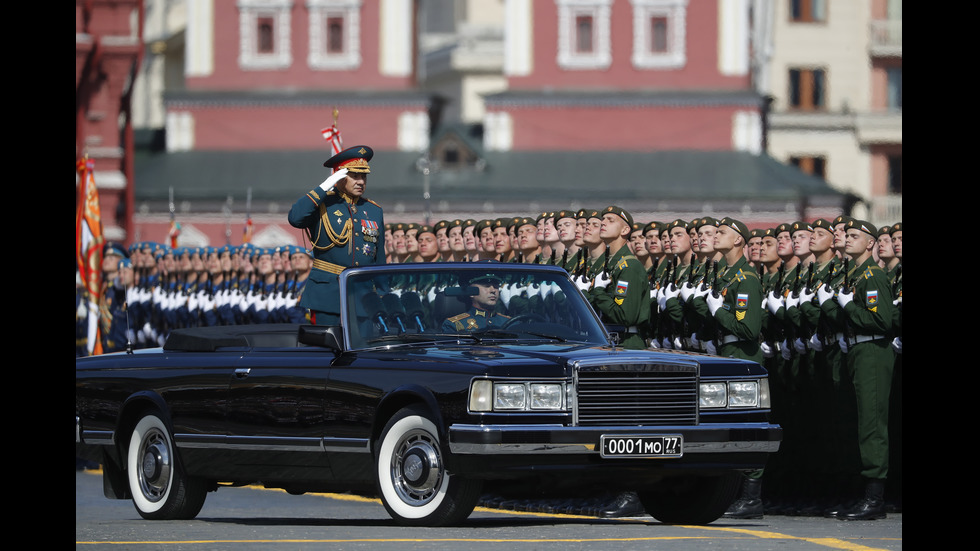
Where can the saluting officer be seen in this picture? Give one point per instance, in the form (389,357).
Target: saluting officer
(345,229)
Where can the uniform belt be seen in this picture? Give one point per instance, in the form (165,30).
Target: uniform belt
(632,329)
(728,339)
(864,338)
(325,266)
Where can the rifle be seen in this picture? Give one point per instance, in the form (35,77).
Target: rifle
(605,261)
(714,283)
(896,281)
(845,287)
(780,273)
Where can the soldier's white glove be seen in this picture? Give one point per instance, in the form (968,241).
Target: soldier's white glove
(844,298)
(505,294)
(792,301)
(816,343)
(333,179)
(806,295)
(897,301)
(654,343)
(774,302)
(583,283)
(766,349)
(701,292)
(714,302)
(669,292)
(710,348)
(665,343)
(431,295)
(842,341)
(824,293)
(786,351)
(192,302)
(678,345)
(800,346)
(602,281)
(695,343)
(897,344)
(686,291)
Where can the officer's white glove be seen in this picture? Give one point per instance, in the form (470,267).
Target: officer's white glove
(710,348)
(897,301)
(792,301)
(701,292)
(800,346)
(785,350)
(686,291)
(842,341)
(678,345)
(897,344)
(665,343)
(824,293)
(602,281)
(816,343)
(654,344)
(333,179)
(844,298)
(714,302)
(766,349)
(583,283)
(544,290)
(774,302)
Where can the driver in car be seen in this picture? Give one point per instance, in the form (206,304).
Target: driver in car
(482,314)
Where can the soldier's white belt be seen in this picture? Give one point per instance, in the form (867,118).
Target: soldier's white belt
(728,339)
(325,266)
(864,338)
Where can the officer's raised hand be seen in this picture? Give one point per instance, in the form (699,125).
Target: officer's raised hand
(333,179)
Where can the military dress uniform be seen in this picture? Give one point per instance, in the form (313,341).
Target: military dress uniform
(344,231)
(474,319)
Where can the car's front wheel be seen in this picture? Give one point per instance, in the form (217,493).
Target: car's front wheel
(691,499)
(413,482)
(160,489)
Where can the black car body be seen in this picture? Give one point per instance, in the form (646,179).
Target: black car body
(390,402)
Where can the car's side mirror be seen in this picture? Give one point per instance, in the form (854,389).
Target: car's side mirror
(326,336)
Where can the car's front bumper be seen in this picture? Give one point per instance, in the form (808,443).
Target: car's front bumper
(714,438)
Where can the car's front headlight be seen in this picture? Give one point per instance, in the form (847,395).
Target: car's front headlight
(734,394)
(487,395)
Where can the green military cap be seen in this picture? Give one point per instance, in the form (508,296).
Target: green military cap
(620,212)
(758,232)
(769,232)
(483,224)
(788,228)
(387,226)
(565,214)
(399,226)
(706,221)
(501,223)
(440,225)
(842,219)
(864,226)
(456,222)
(526,221)
(897,227)
(800,226)
(469,222)
(583,213)
(637,227)
(354,159)
(426,229)
(593,214)
(655,226)
(543,216)
(822,223)
(884,230)
(679,223)
(411,226)
(516,222)
(736,225)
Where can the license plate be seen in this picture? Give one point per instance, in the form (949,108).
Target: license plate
(642,446)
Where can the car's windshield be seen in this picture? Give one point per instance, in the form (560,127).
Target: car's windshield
(488,302)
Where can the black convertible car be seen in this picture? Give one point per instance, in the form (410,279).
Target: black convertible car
(442,381)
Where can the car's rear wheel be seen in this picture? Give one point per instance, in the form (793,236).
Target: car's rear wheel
(413,482)
(160,489)
(691,499)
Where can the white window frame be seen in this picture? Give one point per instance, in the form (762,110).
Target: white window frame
(675,11)
(249,12)
(601,55)
(350,11)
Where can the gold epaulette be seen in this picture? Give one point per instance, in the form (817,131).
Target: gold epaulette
(372,202)
(464,315)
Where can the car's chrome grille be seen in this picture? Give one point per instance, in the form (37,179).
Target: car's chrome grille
(645,395)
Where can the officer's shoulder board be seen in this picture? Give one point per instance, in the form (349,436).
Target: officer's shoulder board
(870,272)
(372,202)
(464,315)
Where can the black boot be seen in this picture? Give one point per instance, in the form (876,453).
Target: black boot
(626,504)
(872,507)
(749,505)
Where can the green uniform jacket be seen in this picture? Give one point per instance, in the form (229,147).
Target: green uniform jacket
(741,311)
(626,300)
(871,312)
